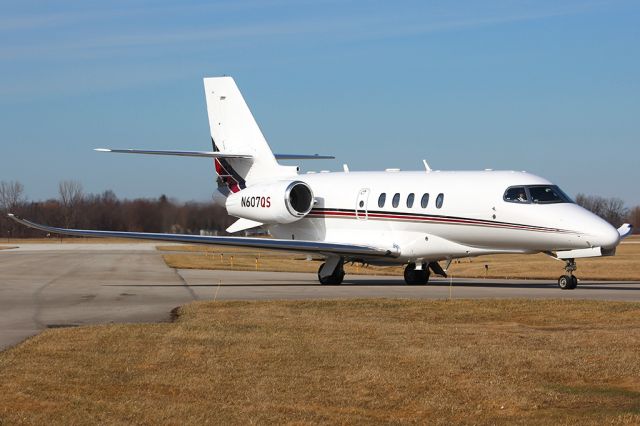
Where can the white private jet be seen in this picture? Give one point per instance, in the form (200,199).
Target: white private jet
(416,218)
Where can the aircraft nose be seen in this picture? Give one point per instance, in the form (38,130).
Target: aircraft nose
(602,234)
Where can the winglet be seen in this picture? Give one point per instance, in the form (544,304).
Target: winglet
(625,230)
(17,219)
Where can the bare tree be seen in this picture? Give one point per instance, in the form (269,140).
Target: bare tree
(71,197)
(11,195)
(612,210)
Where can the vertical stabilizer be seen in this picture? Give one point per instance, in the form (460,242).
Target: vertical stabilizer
(235,131)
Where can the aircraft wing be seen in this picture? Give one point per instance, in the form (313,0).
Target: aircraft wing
(348,250)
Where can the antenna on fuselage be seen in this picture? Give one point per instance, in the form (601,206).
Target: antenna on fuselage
(426,166)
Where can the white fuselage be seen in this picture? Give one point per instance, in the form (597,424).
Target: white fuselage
(473,218)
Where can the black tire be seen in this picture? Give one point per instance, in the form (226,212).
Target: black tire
(413,277)
(565,282)
(574,282)
(408,273)
(333,279)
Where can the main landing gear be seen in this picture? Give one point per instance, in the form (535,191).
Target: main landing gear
(569,281)
(332,271)
(413,276)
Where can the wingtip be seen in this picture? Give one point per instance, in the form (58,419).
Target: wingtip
(102,149)
(11,215)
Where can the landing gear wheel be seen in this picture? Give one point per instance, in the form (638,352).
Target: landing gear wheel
(574,282)
(567,282)
(416,277)
(333,279)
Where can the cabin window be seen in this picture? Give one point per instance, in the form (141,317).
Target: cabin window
(381,200)
(439,200)
(424,202)
(410,199)
(516,194)
(396,200)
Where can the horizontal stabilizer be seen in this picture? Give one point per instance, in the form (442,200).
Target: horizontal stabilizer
(303,157)
(214,154)
(353,251)
(209,154)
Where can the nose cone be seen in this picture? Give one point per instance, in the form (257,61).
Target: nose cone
(602,234)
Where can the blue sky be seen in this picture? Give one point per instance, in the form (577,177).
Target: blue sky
(551,87)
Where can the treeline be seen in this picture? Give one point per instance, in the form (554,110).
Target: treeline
(74,209)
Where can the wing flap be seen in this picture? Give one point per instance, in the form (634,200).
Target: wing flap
(352,250)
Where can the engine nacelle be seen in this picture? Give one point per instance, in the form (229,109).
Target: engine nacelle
(278,202)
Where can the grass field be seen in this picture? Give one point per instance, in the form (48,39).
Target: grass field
(625,265)
(358,361)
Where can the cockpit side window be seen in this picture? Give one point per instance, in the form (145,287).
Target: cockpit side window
(536,194)
(547,194)
(516,194)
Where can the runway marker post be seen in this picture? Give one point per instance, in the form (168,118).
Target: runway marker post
(215,296)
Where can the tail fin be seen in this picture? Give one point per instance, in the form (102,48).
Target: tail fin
(235,131)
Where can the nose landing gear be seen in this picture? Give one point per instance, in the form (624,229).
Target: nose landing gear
(569,281)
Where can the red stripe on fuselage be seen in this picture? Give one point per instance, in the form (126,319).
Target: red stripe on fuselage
(433,219)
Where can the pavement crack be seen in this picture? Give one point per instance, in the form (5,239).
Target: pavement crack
(192,293)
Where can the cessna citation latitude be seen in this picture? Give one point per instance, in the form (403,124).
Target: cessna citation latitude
(417,218)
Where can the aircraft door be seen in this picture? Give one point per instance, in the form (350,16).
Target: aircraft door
(361,204)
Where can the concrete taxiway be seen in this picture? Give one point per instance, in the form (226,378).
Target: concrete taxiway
(59,285)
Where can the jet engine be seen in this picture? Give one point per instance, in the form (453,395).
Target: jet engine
(277,202)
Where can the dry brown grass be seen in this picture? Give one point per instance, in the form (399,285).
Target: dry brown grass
(625,265)
(359,361)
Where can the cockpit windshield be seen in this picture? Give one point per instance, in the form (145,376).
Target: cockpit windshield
(536,194)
